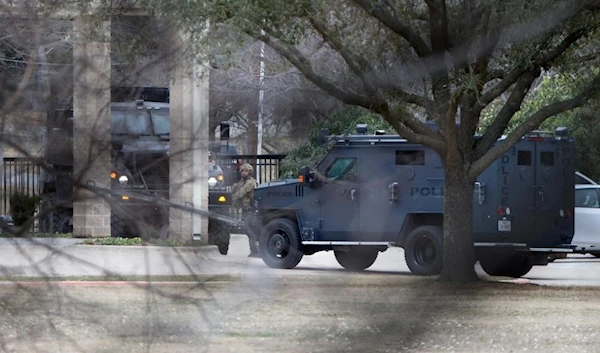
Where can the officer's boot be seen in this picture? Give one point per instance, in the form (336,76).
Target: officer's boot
(253,248)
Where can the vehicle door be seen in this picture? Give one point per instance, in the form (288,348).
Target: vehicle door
(339,197)
(518,194)
(548,197)
(587,217)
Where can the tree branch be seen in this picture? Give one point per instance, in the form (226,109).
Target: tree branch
(356,63)
(540,60)
(301,62)
(512,105)
(438,24)
(413,130)
(292,54)
(592,90)
(29,71)
(411,98)
(394,24)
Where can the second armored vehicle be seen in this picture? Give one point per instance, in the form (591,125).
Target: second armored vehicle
(371,192)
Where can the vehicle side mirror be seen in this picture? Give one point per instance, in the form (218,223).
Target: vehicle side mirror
(304,175)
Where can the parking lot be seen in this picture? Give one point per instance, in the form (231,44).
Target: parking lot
(64,257)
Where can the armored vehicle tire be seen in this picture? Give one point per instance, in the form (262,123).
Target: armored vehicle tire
(118,227)
(218,234)
(423,250)
(505,265)
(356,258)
(279,244)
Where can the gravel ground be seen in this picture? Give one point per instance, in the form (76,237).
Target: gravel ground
(349,313)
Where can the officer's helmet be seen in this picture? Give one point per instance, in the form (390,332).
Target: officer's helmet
(247,167)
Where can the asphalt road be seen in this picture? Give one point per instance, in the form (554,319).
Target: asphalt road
(64,257)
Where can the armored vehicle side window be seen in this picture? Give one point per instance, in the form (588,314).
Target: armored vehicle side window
(132,122)
(160,120)
(547,159)
(342,168)
(587,198)
(524,157)
(414,157)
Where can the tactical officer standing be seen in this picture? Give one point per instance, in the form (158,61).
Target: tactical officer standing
(242,196)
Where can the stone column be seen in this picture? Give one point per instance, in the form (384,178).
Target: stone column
(188,169)
(91,125)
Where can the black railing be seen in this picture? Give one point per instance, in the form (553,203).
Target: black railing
(20,175)
(23,175)
(266,166)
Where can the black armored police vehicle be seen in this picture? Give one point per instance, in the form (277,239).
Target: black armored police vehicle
(371,192)
(140,140)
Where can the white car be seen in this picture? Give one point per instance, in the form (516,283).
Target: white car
(587,216)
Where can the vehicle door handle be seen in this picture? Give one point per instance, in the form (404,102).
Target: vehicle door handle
(352,193)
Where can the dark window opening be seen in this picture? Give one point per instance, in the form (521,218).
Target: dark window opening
(524,158)
(343,169)
(547,159)
(580,180)
(587,198)
(410,157)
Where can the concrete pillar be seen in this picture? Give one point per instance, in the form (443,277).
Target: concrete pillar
(188,168)
(91,125)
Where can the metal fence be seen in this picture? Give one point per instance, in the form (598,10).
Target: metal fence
(19,175)
(266,166)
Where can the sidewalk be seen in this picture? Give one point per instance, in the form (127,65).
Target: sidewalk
(67,257)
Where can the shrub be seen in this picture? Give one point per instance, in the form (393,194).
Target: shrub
(23,207)
(342,122)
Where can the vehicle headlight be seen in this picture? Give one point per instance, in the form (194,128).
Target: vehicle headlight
(123,179)
(212,181)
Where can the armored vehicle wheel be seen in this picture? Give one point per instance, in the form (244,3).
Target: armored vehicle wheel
(118,227)
(423,250)
(356,258)
(279,244)
(506,265)
(218,234)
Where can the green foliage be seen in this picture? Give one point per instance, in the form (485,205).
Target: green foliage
(113,241)
(133,241)
(23,207)
(581,122)
(343,122)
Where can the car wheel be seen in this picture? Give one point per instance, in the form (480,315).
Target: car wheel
(423,250)
(118,226)
(506,265)
(279,244)
(356,258)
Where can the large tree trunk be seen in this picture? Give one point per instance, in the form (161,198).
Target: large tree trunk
(459,253)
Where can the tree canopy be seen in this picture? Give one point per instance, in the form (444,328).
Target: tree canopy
(444,61)
(410,61)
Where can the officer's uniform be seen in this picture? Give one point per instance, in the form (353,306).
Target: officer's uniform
(242,196)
